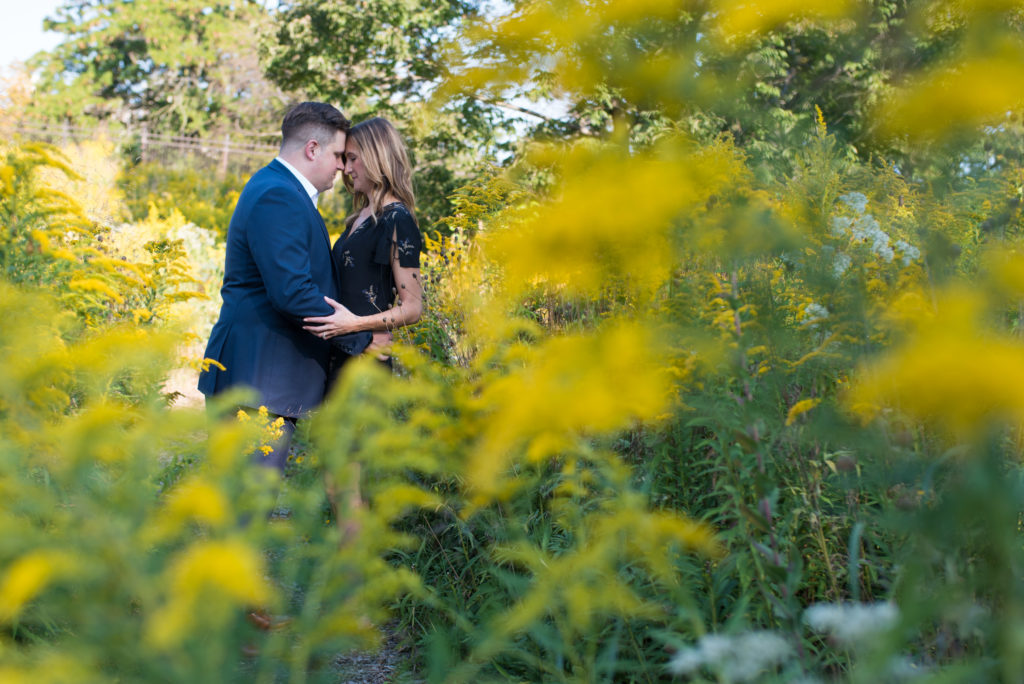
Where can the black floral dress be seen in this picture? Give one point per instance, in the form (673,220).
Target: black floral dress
(364,254)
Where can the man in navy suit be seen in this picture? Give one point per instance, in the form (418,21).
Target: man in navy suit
(277,271)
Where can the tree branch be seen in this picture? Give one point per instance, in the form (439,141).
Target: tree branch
(515,108)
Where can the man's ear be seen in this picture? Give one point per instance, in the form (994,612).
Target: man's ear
(311,149)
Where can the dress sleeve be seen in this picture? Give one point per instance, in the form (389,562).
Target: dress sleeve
(399,233)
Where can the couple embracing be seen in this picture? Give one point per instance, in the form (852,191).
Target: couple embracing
(294,308)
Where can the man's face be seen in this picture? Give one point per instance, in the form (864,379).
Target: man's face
(328,160)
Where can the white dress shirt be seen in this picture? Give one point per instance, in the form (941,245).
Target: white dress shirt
(306,185)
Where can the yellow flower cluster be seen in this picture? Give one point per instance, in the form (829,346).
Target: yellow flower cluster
(977,89)
(230,571)
(585,384)
(952,370)
(29,575)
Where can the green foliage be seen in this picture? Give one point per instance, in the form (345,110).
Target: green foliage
(525,575)
(51,243)
(739,407)
(781,295)
(755,72)
(391,49)
(202,199)
(137,538)
(389,64)
(185,67)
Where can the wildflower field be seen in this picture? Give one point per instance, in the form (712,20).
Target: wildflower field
(720,378)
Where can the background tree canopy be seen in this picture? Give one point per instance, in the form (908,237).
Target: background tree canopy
(197,68)
(187,67)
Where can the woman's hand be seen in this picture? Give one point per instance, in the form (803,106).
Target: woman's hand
(340,322)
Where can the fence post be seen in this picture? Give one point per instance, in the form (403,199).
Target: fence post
(222,171)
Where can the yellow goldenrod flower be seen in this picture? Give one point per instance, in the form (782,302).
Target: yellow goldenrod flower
(29,575)
(197,500)
(951,370)
(971,90)
(799,408)
(742,20)
(208,579)
(97,286)
(576,384)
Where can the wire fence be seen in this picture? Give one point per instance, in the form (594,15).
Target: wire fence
(235,152)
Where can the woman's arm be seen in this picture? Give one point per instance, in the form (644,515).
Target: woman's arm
(406,311)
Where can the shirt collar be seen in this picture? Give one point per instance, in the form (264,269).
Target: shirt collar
(306,185)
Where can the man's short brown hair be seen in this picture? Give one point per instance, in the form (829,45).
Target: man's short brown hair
(312,121)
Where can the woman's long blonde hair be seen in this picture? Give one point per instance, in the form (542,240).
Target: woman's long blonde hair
(386,166)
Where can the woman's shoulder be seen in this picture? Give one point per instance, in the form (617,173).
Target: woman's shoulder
(396,216)
(395,211)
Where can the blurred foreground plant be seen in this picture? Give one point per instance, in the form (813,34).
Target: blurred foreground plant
(137,538)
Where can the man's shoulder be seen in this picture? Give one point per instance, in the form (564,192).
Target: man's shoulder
(271,174)
(271,179)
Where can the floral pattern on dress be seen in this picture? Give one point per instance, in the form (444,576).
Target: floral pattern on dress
(367,254)
(404,247)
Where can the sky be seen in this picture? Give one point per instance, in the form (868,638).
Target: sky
(21,30)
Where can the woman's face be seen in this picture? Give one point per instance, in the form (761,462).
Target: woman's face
(354,167)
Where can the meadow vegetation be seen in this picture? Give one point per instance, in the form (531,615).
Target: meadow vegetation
(716,382)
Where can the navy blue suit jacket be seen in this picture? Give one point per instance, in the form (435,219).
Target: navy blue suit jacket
(277,269)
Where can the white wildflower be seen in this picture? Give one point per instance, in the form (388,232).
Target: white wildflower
(717,648)
(687,660)
(841,225)
(739,658)
(841,263)
(813,314)
(910,252)
(851,623)
(867,229)
(855,200)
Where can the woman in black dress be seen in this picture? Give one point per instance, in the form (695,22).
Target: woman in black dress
(378,255)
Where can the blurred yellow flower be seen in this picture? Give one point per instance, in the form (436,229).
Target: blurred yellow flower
(196,500)
(209,578)
(972,91)
(744,19)
(611,218)
(29,575)
(393,500)
(951,370)
(799,408)
(574,384)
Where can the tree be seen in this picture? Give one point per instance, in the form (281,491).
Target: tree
(386,58)
(181,66)
(365,54)
(752,71)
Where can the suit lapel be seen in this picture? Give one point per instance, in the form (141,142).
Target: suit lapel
(282,170)
(327,241)
(323,226)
